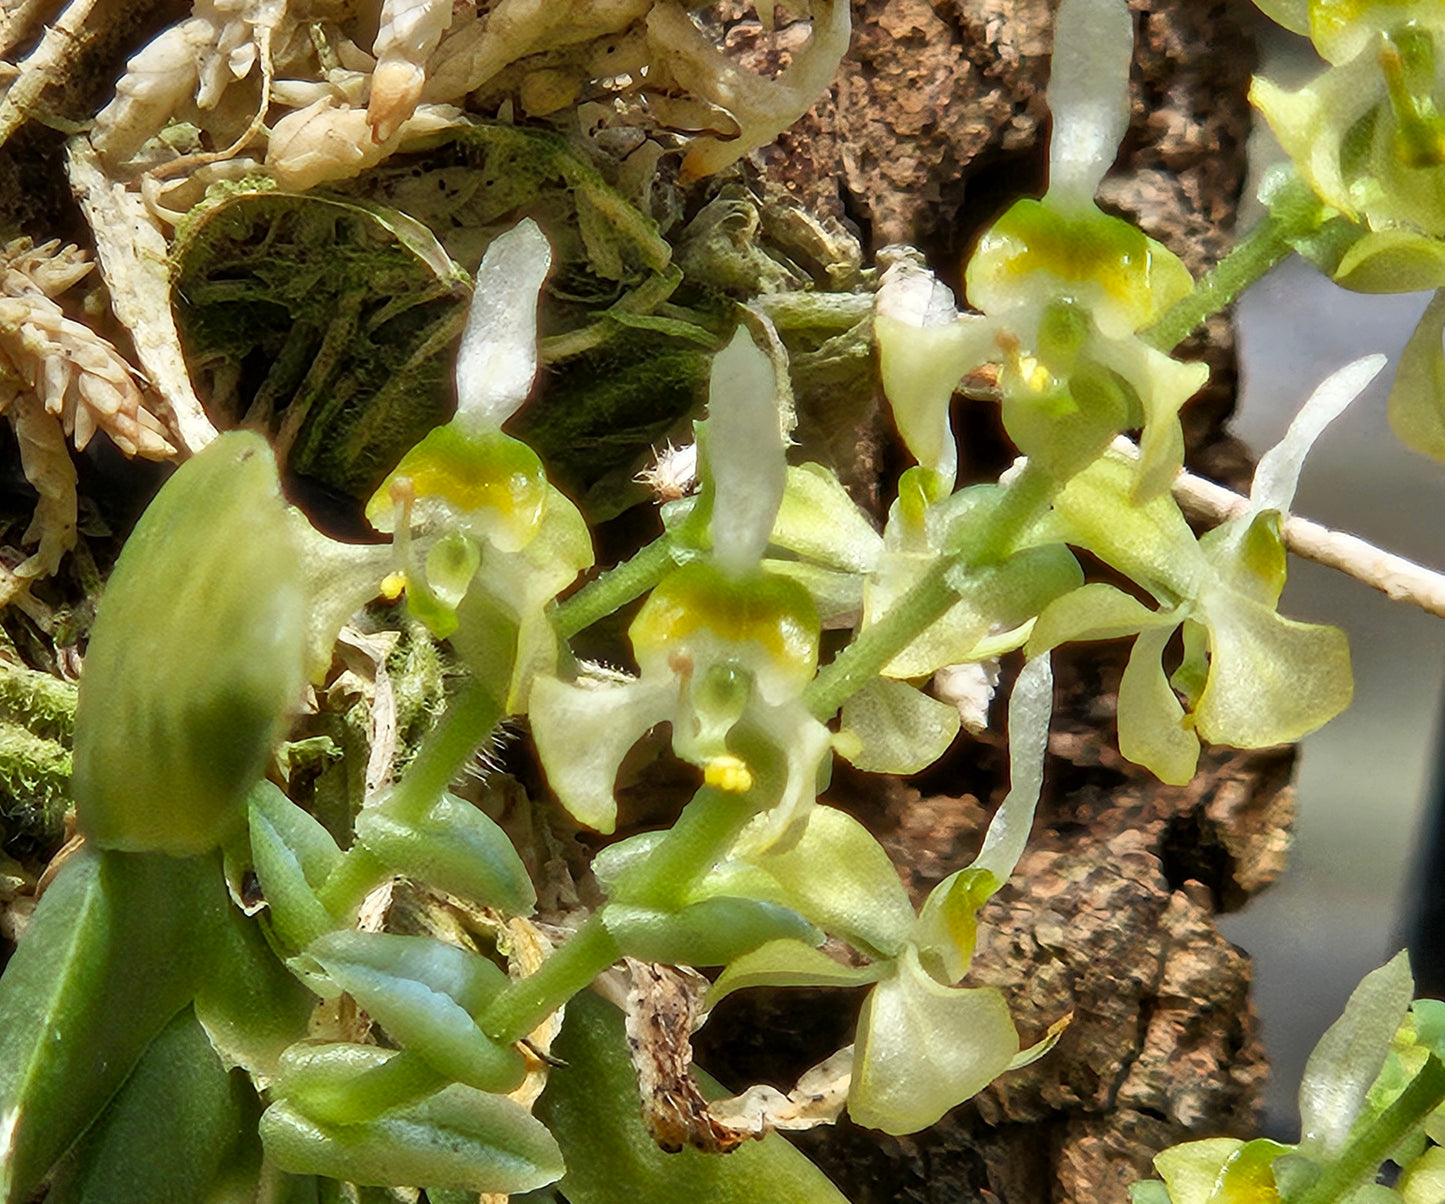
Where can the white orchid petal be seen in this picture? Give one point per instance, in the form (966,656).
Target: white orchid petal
(1277,476)
(1088,95)
(1029,709)
(497,362)
(583,733)
(745,453)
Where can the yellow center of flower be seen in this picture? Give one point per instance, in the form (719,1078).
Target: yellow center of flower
(729,774)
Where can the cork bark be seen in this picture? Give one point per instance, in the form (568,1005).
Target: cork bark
(935,124)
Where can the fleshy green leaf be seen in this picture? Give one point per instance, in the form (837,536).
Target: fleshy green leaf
(839,876)
(109,958)
(790,964)
(591,1105)
(924,1048)
(1417,400)
(293,856)
(424,993)
(458,1138)
(454,848)
(1344,1064)
(891,727)
(171,733)
(348,1084)
(168,1132)
(710,933)
(250,1005)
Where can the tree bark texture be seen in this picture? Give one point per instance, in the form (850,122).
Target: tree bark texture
(935,124)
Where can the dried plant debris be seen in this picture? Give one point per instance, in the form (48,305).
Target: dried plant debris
(59,379)
(307,93)
(664,1006)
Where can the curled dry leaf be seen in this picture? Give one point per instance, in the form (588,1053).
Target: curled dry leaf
(663,1008)
(134,262)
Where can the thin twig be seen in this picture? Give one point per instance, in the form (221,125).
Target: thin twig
(1394,576)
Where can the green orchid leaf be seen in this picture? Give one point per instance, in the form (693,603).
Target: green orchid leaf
(891,727)
(250,1005)
(349,1084)
(924,1048)
(169,1133)
(293,855)
(709,933)
(110,956)
(840,878)
(424,993)
(458,1138)
(1417,399)
(1271,679)
(591,1105)
(788,963)
(1192,1169)
(1349,1056)
(454,847)
(172,733)
(819,522)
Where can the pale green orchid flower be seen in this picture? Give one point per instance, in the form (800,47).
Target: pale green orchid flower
(484,540)
(1250,677)
(1368,133)
(725,648)
(1063,289)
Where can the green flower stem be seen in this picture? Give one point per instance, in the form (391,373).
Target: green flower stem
(614,588)
(1360,1161)
(470,716)
(1262,248)
(707,826)
(526,1002)
(398,1081)
(990,539)
(349,883)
